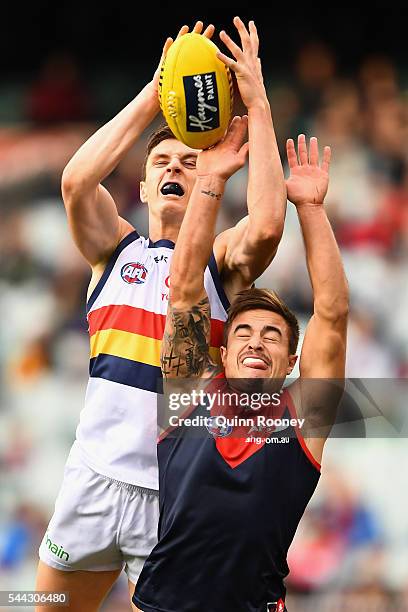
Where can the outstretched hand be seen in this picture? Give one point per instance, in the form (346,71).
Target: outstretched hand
(308,181)
(198,29)
(228,155)
(246,65)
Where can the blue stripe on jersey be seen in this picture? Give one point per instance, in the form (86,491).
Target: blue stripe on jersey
(109,267)
(161,243)
(126,372)
(212,264)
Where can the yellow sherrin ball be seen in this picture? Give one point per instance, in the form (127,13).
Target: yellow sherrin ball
(195,91)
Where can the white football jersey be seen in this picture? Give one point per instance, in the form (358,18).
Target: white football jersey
(126,311)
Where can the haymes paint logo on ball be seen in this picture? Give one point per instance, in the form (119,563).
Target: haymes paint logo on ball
(201,102)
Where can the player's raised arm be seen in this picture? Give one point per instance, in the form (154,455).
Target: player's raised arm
(324,347)
(185,348)
(92,214)
(252,245)
(323,353)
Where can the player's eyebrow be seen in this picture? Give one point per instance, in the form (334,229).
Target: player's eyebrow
(265,329)
(271,328)
(242,326)
(156,156)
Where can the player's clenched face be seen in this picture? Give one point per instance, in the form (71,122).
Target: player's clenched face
(170,177)
(258,346)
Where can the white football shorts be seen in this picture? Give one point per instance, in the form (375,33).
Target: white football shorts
(99,523)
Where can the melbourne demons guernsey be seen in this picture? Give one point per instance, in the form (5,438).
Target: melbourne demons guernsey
(117,432)
(229,509)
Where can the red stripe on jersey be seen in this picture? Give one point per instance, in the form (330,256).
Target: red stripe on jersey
(140,321)
(127,318)
(237,450)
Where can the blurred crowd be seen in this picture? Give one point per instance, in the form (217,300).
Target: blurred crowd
(352,544)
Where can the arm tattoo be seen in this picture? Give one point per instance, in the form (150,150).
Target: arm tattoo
(217,196)
(185,348)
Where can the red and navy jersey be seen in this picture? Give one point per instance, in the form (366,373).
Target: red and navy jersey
(229,509)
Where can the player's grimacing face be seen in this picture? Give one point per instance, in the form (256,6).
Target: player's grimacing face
(258,346)
(170,174)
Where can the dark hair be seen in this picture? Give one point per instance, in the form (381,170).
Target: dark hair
(255,299)
(163,132)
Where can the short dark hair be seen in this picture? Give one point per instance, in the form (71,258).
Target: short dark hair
(256,299)
(163,132)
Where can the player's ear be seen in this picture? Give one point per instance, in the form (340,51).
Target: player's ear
(223,353)
(143,192)
(292,362)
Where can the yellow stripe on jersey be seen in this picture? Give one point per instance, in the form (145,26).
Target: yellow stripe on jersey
(126,345)
(132,346)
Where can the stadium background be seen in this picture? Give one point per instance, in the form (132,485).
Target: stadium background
(343,76)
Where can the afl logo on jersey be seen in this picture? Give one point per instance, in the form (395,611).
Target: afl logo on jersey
(134,272)
(217,428)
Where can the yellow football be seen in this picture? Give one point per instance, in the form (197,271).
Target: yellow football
(195,91)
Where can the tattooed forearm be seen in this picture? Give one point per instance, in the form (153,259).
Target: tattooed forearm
(185,348)
(217,196)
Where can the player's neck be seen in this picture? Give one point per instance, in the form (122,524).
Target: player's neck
(164,228)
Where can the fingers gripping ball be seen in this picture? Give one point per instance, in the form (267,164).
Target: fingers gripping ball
(195,91)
